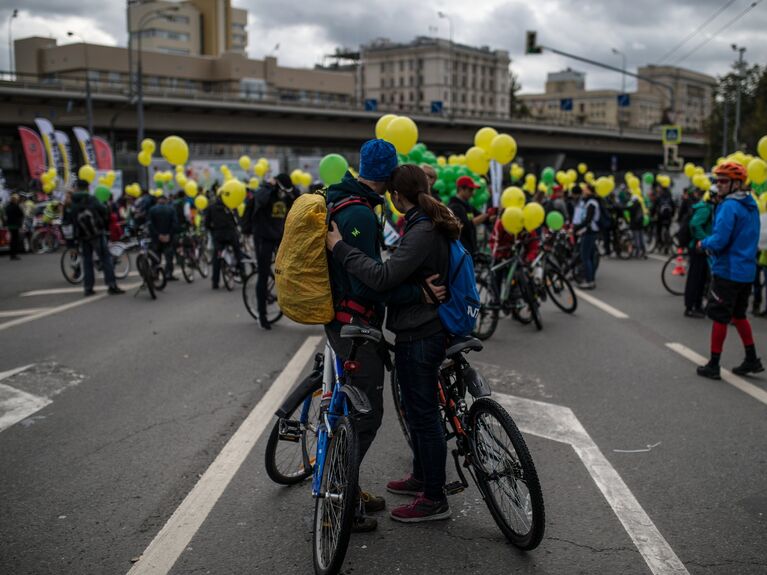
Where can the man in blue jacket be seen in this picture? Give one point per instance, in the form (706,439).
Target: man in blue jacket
(732,247)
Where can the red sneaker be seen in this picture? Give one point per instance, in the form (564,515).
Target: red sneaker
(421,509)
(408,486)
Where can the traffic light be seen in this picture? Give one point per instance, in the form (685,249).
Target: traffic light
(531,47)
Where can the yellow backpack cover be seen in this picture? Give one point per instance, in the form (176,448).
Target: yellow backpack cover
(301,269)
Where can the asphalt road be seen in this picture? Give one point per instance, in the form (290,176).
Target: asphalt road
(143,395)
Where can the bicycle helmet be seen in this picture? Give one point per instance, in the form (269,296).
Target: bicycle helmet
(732,170)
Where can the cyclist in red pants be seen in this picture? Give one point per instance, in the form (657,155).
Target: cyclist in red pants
(732,248)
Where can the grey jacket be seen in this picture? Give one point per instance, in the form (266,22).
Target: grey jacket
(422,252)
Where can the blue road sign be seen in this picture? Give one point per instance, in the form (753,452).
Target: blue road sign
(371,105)
(566,104)
(436,106)
(624,100)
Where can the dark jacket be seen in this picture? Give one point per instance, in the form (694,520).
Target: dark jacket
(220,222)
(84,201)
(360,229)
(422,252)
(14,216)
(465,214)
(270,208)
(162,220)
(701,222)
(735,239)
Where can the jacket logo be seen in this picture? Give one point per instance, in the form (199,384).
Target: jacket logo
(472,311)
(356,232)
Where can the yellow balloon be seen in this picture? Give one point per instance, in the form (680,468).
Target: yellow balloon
(452,160)
(604,186)
(533,215)
(513,220)
(306,179)
(157,193)
(148,146)
(144,158)
(174,150)
(689,169)
(391,206)
(664,180)
(190,188)
(589,177)
(762,200)
(757,171)
(260,170)
(233,193)
(180,169)
(48,187)
(582,168)
(541,188)
(484,138)
(402,133)
(263,161)
(201,202)
(561,177)
(503,148)
(761,148)
(477,160)
(529,186)
(244,162)
(295,177)
(134,190)
(572,176)
(181,180)
(383,123)
(512,197)
(253,183)
(241,209)
(86,173)
(441,161)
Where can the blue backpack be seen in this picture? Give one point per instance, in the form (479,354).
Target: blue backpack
(460,312)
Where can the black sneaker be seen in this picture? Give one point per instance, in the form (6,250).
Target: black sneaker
(364,524)
(749,366)
(114,290)
(694,313)
(214,287)
(88,293)
(372,503)
(710,371)
(264,324)
(172,278)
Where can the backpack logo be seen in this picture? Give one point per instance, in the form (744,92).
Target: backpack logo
(473,311)
(356,232)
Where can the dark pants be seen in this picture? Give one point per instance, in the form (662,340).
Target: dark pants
(760,284)
(588,250)
(98,245)
(218,246)
(165,250)
(607,240)
(369,379)
(16,247)
(417,371)
(264,252)
(697,274)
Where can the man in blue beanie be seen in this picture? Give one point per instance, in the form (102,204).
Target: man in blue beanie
(351,205)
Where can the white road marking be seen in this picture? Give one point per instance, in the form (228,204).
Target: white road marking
(559,423)
(16,405)
(57,291)
(601,305)
(162,553)
(18,312)
(59,309)
(756,392)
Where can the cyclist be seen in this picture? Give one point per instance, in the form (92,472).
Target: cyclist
(586,225)
(423,253)
(459,205)
(163,225)
(271,203)
(700,224)
(732,246)
(636,225)
(14,217)
(352,203)
(663,210)
(220,221)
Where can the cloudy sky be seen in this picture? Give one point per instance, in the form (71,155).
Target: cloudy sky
(644,30)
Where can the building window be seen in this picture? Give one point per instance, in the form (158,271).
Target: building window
(238,38)
(401,81)
(383,67)
(401,65)
(383,82)
(182,19)
(412,97)
(236,26)
(410,81)
(168,50)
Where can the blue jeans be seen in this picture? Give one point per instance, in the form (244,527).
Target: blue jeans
(588,255)
(417,365)
(99,245)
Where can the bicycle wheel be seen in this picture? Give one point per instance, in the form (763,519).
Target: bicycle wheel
(158,277)
(334,509)
(290,459)
(534,309)
(187,268)
(560,290)
(489,308)
(249,295)
(39,245)
(399,408)
(506,474)
(71,266)
(625,246)
(273,311)
(202,262)
(227,274)
(674,274)
(121,265)
(146,275)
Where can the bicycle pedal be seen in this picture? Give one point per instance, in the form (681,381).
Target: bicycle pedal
(289,430)
(454,488)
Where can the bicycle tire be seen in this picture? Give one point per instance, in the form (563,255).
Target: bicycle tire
(340,479)
(121,265)
(522,468)
(146,276)
(187,269)
(399,408)
(71,266)
(280,473)
(529,297)
(227,275)
(202,263)
(625,247)
(489,309)
(670,265)
(159,278)
(273,311)
(38,243)
(556,285)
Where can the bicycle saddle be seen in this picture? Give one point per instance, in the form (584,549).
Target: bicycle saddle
(463,344)
(362,332)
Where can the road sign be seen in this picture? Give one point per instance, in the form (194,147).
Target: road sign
(671,134)
(566,104)
(371,105)
(624,100)
(436,106)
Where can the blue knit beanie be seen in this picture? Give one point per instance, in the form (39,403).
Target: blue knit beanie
(378,159)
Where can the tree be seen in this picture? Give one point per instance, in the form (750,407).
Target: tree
(753,111)
(517,108)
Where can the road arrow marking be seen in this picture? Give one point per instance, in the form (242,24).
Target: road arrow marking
(16,405)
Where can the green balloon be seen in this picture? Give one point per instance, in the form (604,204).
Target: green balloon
(429,158)
(401,158)
(648,178)
(440,186)
(102,194)
(547,175)
(555,221)
(415,155)
(332,169)
(646,220)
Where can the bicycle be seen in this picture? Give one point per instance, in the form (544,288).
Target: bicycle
(71,262)
(47,237)
(191,258)
(273,311)
(673,275)
(148,265)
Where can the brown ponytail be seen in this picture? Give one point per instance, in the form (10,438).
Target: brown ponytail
(410,181)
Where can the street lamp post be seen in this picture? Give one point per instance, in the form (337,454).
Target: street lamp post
(736,127)
(623,67)
(88,101)
(451,111)
(11,63)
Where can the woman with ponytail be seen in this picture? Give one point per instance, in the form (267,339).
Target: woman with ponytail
(423,254)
